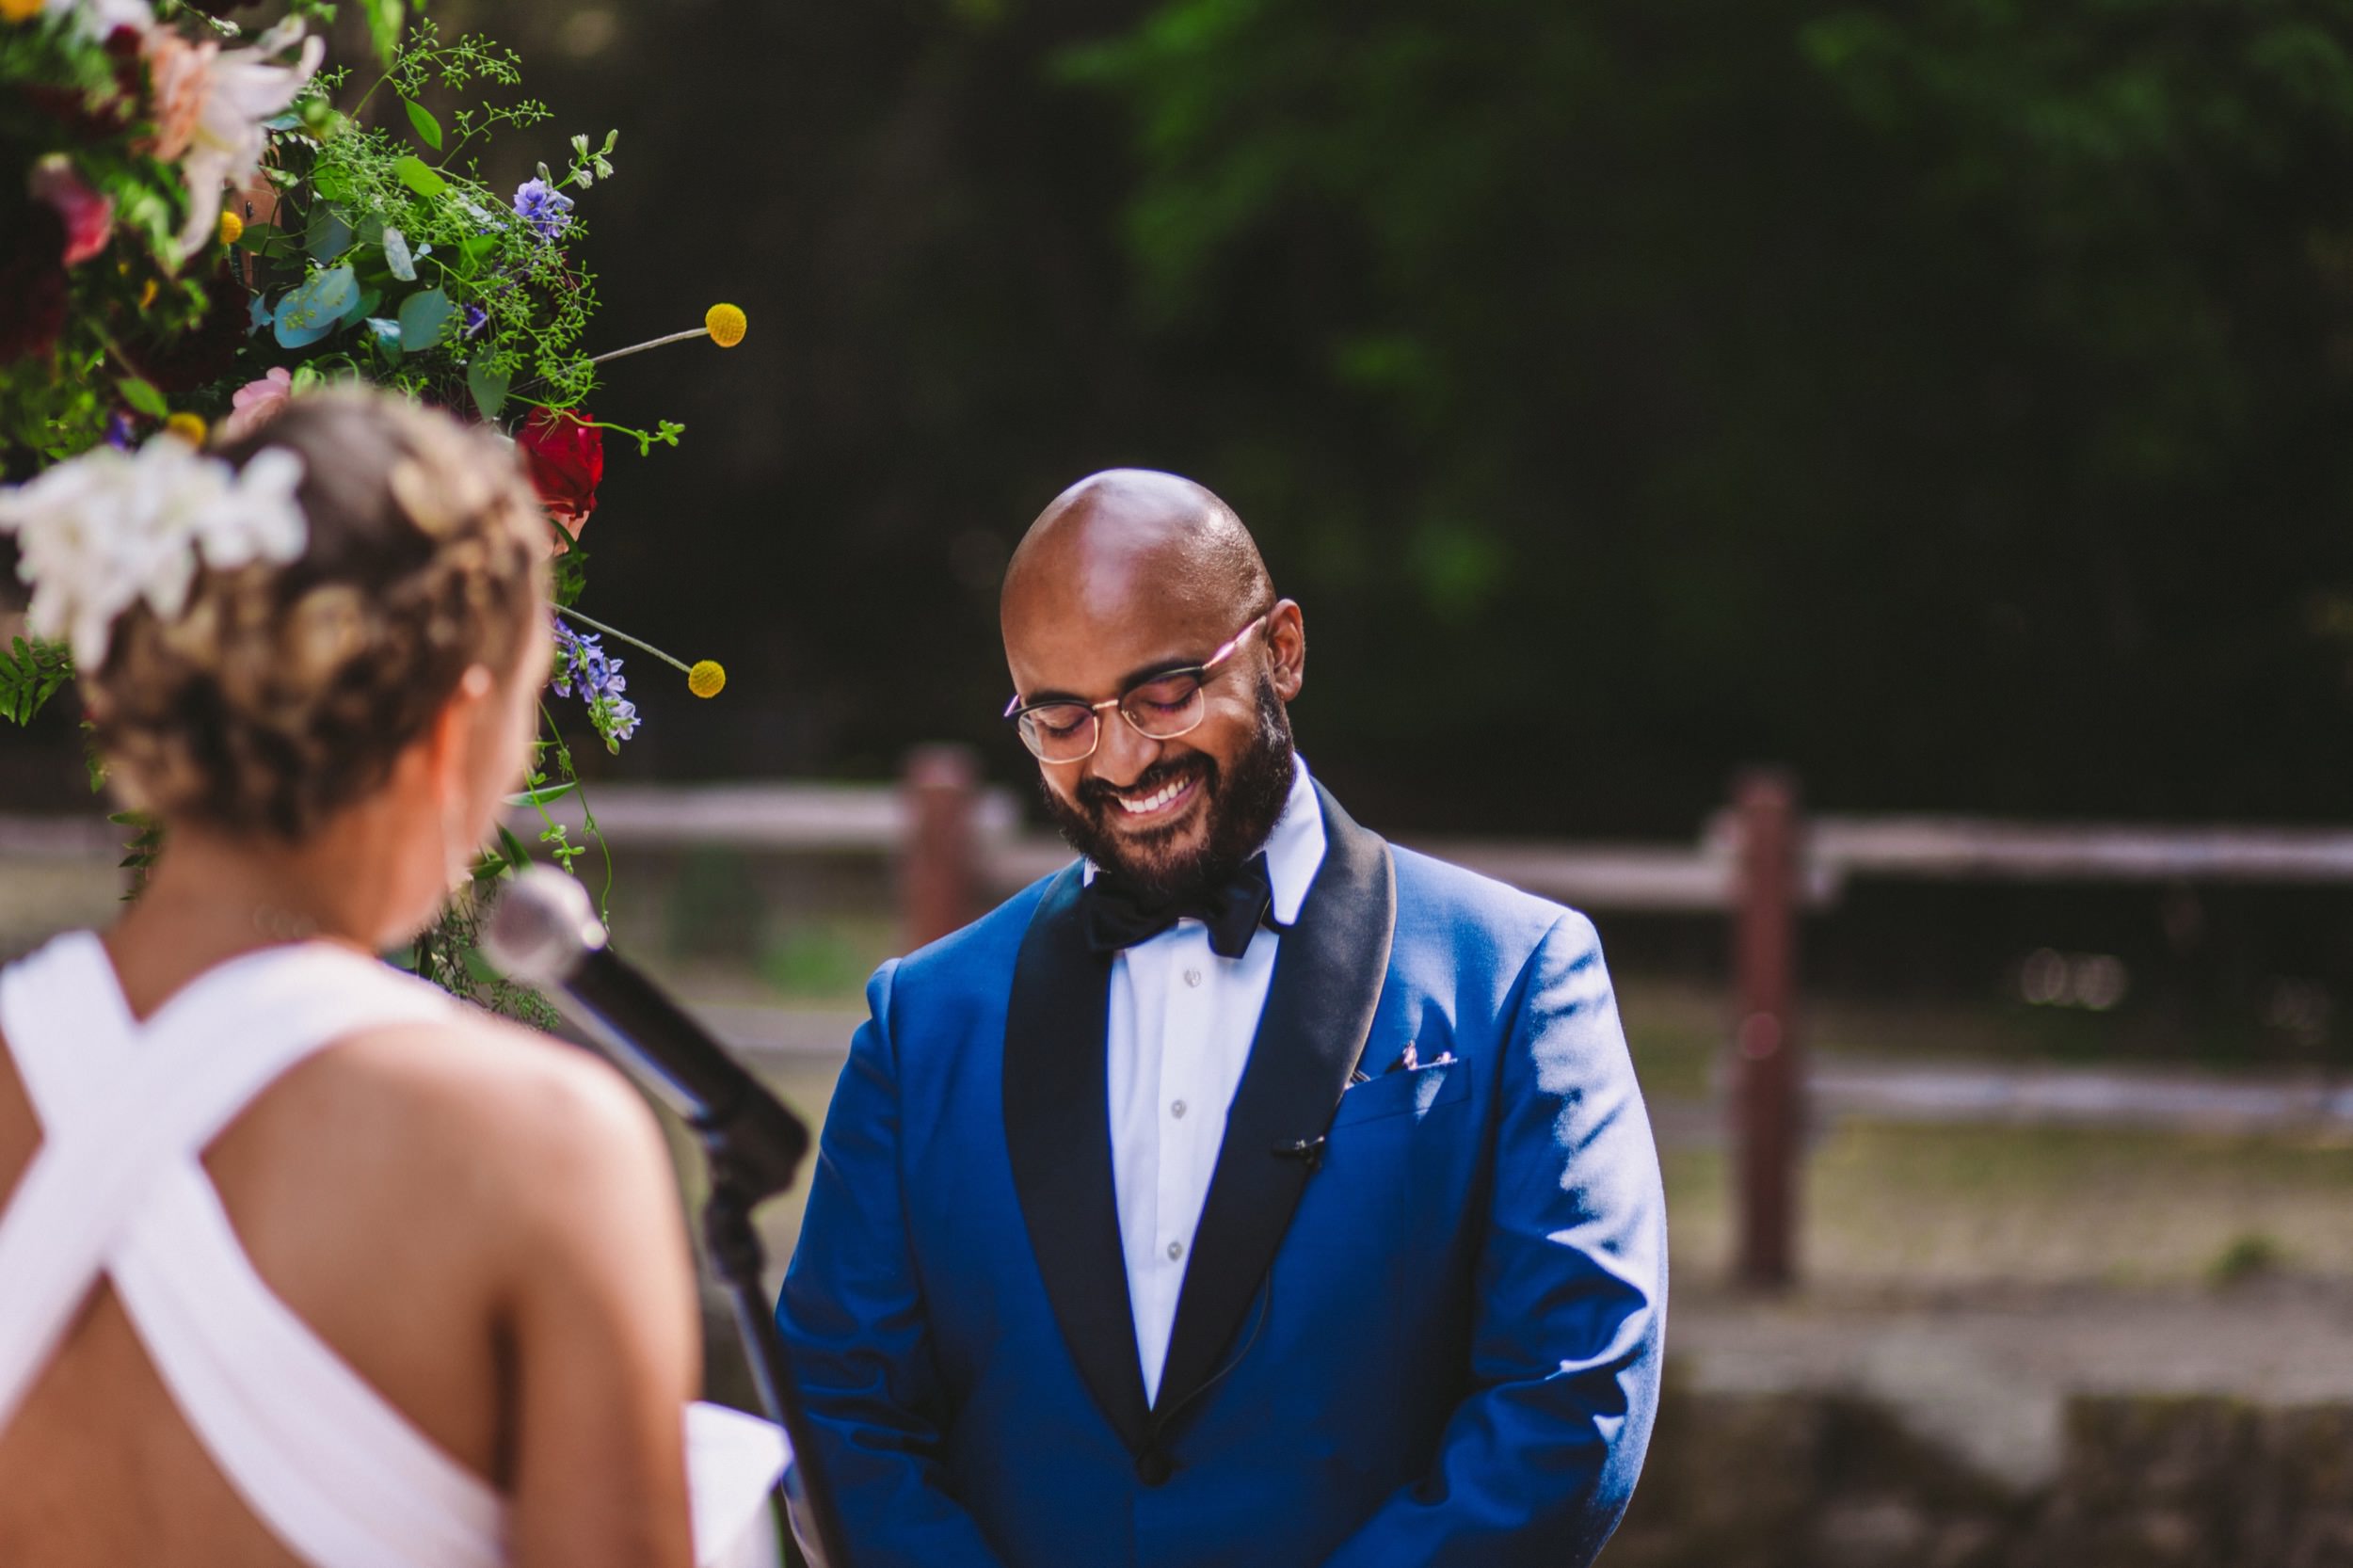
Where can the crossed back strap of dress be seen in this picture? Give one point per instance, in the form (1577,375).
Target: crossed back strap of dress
(118,1188)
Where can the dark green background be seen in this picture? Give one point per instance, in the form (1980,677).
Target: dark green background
(1948,400)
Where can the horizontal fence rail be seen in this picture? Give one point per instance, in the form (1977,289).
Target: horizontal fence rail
(954,846)
(875,820)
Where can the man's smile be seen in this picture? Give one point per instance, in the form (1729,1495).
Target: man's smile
(1161,804)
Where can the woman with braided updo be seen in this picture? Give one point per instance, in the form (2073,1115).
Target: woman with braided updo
(300,1260)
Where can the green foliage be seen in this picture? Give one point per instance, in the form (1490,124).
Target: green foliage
(428,246)
(2249,1256)
(1977,367)
(381,256)
(30,674)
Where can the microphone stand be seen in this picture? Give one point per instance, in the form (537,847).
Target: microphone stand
(732,1242)
(542,931)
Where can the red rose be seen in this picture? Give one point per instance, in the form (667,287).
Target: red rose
(565,458)
(88,217)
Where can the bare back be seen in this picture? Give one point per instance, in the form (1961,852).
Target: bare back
(480,1223)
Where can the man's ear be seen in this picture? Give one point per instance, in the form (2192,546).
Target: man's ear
(1287,649)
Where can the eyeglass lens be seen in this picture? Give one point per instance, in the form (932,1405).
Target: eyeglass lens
(1160,709)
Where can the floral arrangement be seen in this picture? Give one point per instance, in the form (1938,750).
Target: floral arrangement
(198,223)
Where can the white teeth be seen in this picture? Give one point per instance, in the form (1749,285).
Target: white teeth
(1154,801)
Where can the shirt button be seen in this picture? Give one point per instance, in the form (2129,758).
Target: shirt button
(1193,977)
(1175,1251)
(1178,1111)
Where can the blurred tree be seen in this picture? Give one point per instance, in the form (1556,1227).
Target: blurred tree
(1947,397)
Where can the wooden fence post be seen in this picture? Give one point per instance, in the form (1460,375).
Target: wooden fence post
(1768,1081)
(939,878)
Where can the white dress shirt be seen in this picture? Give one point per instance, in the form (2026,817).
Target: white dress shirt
(1181,1022)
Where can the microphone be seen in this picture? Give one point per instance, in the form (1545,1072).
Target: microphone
(545,934)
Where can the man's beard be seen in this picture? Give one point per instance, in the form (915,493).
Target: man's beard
(1243,804)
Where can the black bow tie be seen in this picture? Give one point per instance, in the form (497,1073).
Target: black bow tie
(1119,917)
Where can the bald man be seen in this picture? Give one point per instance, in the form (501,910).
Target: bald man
(1249,1192)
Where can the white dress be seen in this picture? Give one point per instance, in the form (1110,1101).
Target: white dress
(117,1188)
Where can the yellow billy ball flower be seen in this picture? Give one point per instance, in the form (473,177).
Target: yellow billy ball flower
(727,326)
(188,427)
(18,10)
(146,295)
(706,679)
(232,227)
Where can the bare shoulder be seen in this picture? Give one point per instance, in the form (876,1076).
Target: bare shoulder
(525,1137)
(506,1093)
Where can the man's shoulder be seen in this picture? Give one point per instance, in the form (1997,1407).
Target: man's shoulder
(1459,928)
(1435,895)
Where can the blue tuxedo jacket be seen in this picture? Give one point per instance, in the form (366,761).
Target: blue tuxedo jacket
(1422,1319)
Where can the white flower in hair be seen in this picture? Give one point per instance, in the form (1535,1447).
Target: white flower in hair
(105,530)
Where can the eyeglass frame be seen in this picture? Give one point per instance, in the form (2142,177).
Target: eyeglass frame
(1016,709)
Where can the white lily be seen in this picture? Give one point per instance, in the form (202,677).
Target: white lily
(210,106)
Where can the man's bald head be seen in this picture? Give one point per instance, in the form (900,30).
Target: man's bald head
(1145,590)
(1128,536)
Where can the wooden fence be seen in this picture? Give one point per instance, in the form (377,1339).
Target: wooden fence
(1761,862)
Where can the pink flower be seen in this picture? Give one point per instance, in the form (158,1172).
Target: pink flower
(88,217)
(257,403)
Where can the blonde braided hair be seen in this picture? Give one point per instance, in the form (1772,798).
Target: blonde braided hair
(282,693)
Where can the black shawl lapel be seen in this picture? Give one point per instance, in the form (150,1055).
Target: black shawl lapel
(1058,1134)
(1328,975)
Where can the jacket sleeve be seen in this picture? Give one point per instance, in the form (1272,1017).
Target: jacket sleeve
(1537,1464)
(853,1316)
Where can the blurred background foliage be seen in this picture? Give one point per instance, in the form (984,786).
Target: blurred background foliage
(1949,399)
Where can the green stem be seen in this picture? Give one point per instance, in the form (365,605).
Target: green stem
(651,343)
(643,647)
(587,817)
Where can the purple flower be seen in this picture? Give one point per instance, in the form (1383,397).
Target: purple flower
(119,431)
(546,209)
(476,319)
(582,663)
(581,658)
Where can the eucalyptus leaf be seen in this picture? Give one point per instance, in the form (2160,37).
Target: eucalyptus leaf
(488,387)
(427,128)
(419,176)
(387,336)
(422,317)
(360,309)
(257,236)
(315,306)
(396,256)
(328,235)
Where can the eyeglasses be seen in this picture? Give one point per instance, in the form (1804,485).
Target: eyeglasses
(1161,707)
